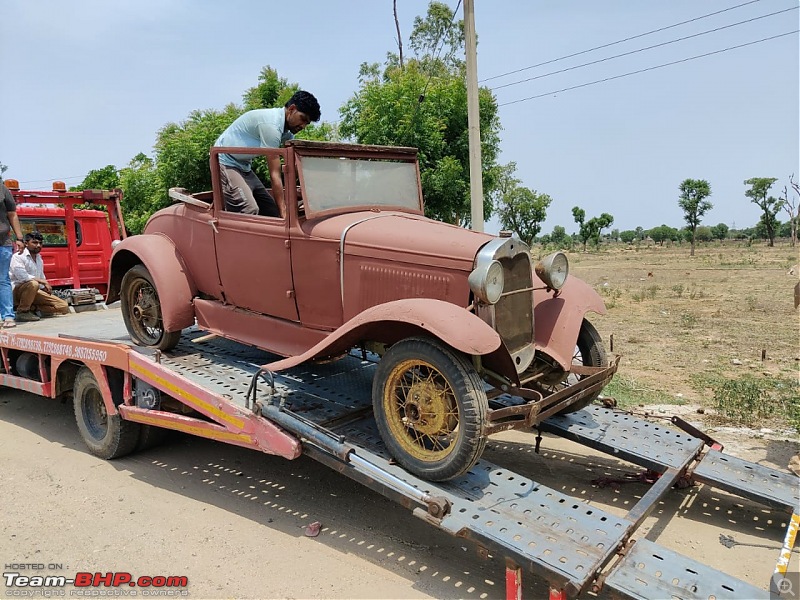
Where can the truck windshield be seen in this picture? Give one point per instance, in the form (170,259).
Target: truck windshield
(335,183)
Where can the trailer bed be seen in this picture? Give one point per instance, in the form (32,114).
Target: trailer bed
(575,547)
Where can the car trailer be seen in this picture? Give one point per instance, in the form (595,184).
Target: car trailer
(214,388)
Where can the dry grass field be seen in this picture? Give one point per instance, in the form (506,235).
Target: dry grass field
(693,329)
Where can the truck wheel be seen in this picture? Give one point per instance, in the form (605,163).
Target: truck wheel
(430,406)
(589,352)
(107,436)
(141,311)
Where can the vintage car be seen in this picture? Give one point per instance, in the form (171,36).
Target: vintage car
(472,337)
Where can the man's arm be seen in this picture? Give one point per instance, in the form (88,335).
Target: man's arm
(274,163)
(17,229)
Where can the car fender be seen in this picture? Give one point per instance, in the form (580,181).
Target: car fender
(400,319)
(174,284)
(558,319)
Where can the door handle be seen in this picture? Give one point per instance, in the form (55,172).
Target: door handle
(213,223)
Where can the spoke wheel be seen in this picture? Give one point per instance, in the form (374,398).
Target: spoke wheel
(589,352)
(430,407)
(141,311)
(106,436)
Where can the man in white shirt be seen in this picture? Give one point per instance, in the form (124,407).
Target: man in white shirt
(31,290)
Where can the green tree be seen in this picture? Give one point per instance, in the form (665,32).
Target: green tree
(720,231)
(703,234)
(424,105)
(520,209)
(591,229)
(182,149)
(694,204)
(663,233)
(627,236)
(106,178)
(142,193)
(560,238)
(759,188)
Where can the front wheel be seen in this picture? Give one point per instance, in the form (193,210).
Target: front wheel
(141,311)
(430,406)
(589,352)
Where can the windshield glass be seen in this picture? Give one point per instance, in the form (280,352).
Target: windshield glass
(333,183)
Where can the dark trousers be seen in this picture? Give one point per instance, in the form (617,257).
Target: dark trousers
(244,193)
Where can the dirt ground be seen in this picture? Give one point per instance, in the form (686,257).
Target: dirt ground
(233,521)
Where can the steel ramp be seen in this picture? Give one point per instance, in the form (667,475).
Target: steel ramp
(651,571)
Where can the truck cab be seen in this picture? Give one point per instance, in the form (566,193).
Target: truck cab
(78,242)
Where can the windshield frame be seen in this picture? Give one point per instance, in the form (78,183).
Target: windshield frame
(336,151)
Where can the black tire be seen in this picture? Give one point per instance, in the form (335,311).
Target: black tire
(107,436)
(430,407)
(589,352)
(141,311)
(151,436)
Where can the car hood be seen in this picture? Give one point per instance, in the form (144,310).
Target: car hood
(402,237)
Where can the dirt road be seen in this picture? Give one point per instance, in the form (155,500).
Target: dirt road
(233,521)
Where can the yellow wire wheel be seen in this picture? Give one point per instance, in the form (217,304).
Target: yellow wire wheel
(430,406)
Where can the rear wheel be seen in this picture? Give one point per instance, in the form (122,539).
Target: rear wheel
(107,436)
(430,406)
(589,352)
(141,311)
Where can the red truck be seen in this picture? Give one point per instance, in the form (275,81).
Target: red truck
(77,242)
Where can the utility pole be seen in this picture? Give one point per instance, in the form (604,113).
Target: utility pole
(473,118)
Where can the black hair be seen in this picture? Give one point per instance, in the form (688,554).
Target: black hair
(33,235)
(305,103)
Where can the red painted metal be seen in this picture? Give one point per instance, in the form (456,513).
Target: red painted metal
(513,582)
(557,594)
(75,265)
(250,430)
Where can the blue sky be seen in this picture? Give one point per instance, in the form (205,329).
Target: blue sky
(88,83)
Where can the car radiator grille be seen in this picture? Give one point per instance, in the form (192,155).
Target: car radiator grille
(513,318)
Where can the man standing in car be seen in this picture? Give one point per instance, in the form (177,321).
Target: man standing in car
(261,128)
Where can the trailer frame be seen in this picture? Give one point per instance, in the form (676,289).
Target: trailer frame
(215,388)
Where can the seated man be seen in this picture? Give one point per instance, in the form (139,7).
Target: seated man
(31,290)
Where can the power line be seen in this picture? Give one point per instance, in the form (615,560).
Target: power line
(619,41)
(575,87)
(688,37)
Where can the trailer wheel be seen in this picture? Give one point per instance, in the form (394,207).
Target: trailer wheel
(107,436)
(430,406)
(151,436)
(141,311)
(589,352)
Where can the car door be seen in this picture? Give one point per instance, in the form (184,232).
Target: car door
(255,265)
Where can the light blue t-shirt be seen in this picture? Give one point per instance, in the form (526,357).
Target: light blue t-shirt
(260,128)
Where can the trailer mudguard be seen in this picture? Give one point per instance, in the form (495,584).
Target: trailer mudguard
(393,321)
(175,287)
(558,319)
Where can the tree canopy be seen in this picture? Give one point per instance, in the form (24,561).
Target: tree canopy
(424,104)
(769,205)
(520,209)
(590,230)
(694,204)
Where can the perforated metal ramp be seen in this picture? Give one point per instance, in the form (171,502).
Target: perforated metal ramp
(624,436)
(759,483)
(651,571)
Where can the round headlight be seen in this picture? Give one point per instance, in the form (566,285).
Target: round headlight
(487,282)
(553,270)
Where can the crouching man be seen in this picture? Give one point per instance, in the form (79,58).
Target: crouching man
(31,290)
